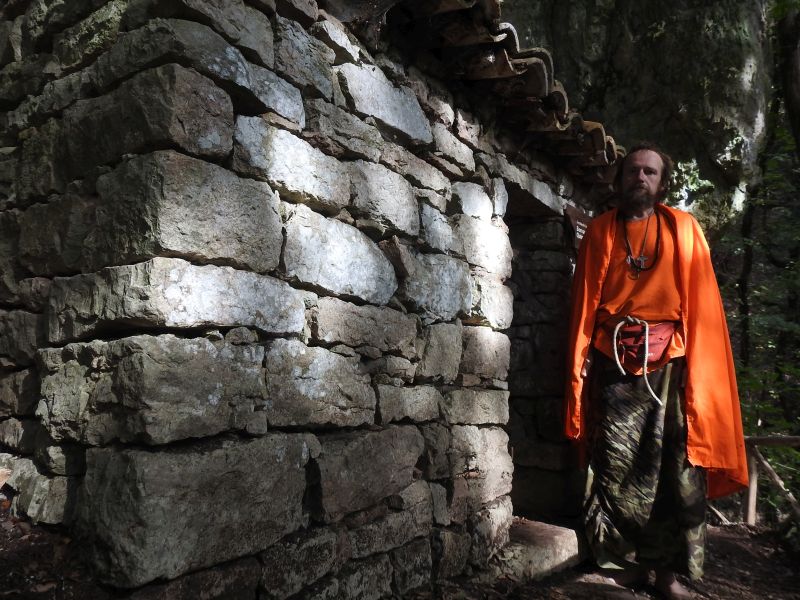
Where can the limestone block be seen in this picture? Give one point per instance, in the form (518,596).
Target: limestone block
(9,250)
(27,77)
(43,499)
(368,579)
(393,367)
(278,95)
(7,54)
(314,386)
(439,499)
(472,200)
(476,407)
(336,37)
(151,390)
(489,529)
(339,133)
(63,459)
(537,197)
(303,11)
(486,353)
(21,334)
(451,552)
(18,393)
(493,302)
(419,403)
(43,17)
(335,321)
(384,197)
(451,148)
(236,580)
(358,469)
(244,27)
(19,435)
(437,286)
(156,204)
(416,170)
(468,129)
(303,59)
(437,232)
(392,531)
(369,93)
(298,561)
(190,43)
(412,565)
(42,168)
(335,257)
(169,292)
(481,454)
(485,245)
(437,443)
(79,44)
(499,197)
(147,515)
(441,353)
(298,171)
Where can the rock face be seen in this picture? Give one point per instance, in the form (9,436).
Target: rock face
(137,507)
(384,197)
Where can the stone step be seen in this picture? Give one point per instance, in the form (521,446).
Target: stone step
(537,550)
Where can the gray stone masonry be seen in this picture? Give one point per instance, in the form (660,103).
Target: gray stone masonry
(303,59)
(149,515)
(417,403)
(384,198)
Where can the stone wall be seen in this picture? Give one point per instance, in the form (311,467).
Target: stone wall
(252,300)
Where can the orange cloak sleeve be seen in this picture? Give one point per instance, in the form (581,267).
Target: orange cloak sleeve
(713,415)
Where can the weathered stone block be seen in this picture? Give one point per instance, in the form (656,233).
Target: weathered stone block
(43,499)
(337,38)
(368,579)
(486,353)
(371,94)
(499,197)
(451,552)
(303,59)
(482,454)
(489,530)
(476,407)
(278,95)
(392,531)
(79,44)
(156,204)
(237,580)
(536,197)
(335,321)
(9,250)
(419,403)
(412,565)
(472,200)
(21,334)
(314,386)
(437,232)
(451,148)
(18,393)
(339,133)
(435,285)
(548,237)
(493,302)
(27,77)
(151,390)
(244,27)
(335,257)
(358,469)
(416,170)
(169,292)
(44,17)
(439,499)
(437,443)
(485,245)
(147,515)
(19,435)
(297,170)
(298,561)
(384,197)
(441,352)
(303,11)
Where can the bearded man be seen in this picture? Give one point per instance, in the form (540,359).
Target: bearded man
(651,391)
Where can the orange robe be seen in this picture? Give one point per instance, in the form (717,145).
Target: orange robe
(713,416)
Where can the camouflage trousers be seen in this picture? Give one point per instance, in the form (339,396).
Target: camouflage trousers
(645,504)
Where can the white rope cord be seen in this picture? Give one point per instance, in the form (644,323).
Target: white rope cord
(630,320)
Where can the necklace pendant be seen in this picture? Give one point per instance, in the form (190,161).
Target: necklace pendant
(640,262)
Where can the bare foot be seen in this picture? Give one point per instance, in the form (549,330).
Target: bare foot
(670,587)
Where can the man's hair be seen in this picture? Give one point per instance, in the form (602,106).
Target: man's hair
(666,169)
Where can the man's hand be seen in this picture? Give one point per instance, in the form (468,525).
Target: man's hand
(587,364)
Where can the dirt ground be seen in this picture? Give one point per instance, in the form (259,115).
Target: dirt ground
(743,563)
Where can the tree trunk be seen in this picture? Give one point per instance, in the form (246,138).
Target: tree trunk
(789,36)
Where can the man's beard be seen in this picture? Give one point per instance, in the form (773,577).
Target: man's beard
(638,199)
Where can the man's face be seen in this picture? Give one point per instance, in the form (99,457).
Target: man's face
(641,180)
